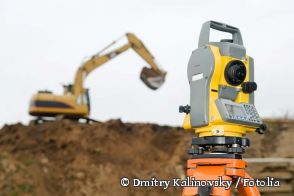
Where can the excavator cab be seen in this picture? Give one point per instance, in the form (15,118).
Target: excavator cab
(152,78)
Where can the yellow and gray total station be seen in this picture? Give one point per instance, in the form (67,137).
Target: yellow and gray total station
(221,110)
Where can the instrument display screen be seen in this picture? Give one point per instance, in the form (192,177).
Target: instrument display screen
(238,113)
(235,110)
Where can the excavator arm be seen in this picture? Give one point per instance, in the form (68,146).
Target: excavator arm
(153,77)
(142,51)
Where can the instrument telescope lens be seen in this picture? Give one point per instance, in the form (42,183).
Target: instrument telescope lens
(235,73)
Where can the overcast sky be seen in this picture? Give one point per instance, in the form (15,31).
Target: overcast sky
(43,42)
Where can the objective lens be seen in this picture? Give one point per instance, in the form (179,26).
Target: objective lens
(235,73)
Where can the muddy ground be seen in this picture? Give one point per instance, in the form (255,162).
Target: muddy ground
(67,158)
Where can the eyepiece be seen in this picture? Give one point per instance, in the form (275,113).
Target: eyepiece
(235,73)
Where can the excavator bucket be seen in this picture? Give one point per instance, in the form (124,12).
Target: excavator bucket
(151,78)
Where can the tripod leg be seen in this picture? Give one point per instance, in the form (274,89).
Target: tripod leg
(205,173)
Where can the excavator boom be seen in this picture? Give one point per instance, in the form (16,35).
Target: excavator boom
(153,77)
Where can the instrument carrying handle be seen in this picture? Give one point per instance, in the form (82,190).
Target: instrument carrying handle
(205,32)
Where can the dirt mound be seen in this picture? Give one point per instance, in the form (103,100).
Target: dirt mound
(276,142)
(66,158)
(63,158)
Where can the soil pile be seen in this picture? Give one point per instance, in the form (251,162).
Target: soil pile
(67,158)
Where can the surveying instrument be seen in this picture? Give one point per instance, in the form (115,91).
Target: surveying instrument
(221,112)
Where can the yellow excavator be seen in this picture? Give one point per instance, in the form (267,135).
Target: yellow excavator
(75,101)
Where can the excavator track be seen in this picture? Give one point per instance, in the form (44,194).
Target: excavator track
(41,119)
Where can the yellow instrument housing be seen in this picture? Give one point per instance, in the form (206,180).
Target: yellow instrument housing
(217,126)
